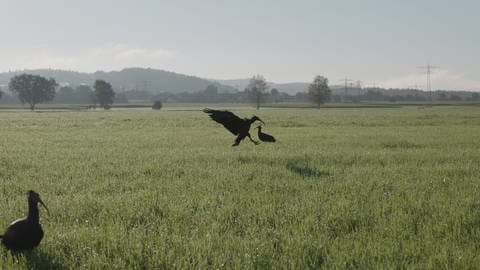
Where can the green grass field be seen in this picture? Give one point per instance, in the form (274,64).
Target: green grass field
(343,188)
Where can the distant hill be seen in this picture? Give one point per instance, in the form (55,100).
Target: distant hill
(61,76)
(153,80)
(160,81)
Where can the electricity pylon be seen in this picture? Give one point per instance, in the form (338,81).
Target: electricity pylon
(346,80)
(428,69)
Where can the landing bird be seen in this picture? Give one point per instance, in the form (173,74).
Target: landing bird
(236,125)
(264,137)
(25,233)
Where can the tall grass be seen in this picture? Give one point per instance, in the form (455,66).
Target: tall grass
(342,188)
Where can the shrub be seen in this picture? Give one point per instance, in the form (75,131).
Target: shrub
(157,105)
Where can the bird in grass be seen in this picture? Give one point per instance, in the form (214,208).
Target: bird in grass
(25,233)
(264,137)
(236,125)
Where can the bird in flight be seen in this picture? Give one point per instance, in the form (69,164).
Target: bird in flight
(236,125)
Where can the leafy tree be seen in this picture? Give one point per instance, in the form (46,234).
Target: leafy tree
(157,105)
(121,98)
(1,93)
(274,92)
(84,94)
(32,89)
(65,95)
(104,94)
(256,90)
(393,99)
(455,98)
(475,96)
(211,90)
(210,94)
(337,98)
(318,91)
(275,95)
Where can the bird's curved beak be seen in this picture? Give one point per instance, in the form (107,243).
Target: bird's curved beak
(41,202)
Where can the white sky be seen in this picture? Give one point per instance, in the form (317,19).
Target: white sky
(286,41)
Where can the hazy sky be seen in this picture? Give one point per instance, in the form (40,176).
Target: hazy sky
(286,41)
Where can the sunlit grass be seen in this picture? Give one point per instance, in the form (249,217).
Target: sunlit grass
(342,188)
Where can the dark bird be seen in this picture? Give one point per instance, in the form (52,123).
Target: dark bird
(264,137)
(236,125)
(25,233)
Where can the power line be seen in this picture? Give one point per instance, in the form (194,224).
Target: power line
(428,69)
(373,84)
(346,80)
(359,87)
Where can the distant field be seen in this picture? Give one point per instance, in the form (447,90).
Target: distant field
(343,188)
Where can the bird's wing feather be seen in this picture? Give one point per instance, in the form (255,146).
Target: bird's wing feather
(229,120)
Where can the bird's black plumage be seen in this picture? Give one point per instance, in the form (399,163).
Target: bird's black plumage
(264,137)
(25,233)
(236,125)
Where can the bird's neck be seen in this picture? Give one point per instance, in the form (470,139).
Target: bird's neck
(33,212)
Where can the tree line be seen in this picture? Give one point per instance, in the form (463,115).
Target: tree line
(34,89)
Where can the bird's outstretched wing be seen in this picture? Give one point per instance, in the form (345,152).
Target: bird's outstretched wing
(229,120)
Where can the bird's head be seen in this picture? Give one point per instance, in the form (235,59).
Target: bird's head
(255,118)
(34,197)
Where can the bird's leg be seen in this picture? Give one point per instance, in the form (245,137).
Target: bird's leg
(238,140)
(255,142)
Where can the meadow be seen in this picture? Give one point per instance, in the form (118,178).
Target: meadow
(353,188)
